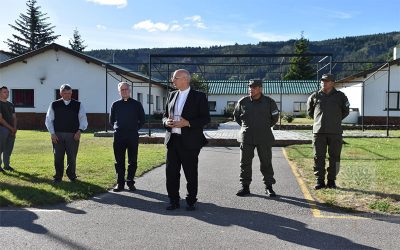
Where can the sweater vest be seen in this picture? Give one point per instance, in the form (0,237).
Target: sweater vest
(66,117)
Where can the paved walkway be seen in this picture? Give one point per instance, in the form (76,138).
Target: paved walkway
(139,220)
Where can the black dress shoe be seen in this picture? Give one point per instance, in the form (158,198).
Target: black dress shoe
(132,187)
(118,188)
(270,192)
(320,185)
(173,206)
(9,168)
(56,180)
(244,191)
(1,169)
(191,207)
(331,184)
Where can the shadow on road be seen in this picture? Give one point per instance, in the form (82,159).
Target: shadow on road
(283,228)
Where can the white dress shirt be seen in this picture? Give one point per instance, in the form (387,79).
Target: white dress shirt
(179,104)
(83,123)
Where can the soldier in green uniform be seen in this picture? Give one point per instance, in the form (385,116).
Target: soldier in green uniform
(256,114)
(327,107)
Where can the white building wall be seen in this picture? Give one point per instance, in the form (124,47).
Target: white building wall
(58,67)
(375,89)
(287,101)
(354,94)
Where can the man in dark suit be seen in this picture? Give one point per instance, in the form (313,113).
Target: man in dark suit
(186,114)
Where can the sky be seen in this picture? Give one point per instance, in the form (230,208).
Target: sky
(131,24)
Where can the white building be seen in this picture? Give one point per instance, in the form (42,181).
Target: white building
(368,92)
(35,77)
(292,95)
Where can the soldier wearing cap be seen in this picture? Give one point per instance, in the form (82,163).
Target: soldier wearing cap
(256,114)
(327,107)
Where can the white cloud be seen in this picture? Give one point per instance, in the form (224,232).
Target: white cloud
(150,26)
(101,27)
(264,36)
(176,27)
(197,21)
(195,18)
(118,3)
(201,26)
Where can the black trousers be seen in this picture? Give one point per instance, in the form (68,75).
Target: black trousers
(125,141)
(322,142)
(177,156)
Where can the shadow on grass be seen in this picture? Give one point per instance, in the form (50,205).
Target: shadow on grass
(33,196)
(380,194)
(286,229)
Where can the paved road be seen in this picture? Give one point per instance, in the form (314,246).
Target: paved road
(223,221)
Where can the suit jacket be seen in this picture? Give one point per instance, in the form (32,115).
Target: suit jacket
(196,112)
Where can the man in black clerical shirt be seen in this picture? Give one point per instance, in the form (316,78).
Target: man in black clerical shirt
(126,117)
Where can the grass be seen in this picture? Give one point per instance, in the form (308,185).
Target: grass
(298,121)
(31,183)
(368,179)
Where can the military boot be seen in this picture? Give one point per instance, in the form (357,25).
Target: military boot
(331,184)
(244,191)
(269,191)
(320,185)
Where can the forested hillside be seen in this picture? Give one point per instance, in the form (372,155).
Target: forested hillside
(350,55)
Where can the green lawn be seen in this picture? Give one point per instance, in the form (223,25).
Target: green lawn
(369,177)
(31,183)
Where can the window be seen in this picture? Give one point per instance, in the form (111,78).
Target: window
(150,99)
(394,99)
(158,103)
(75,94)
(299,106)
(212,106)
(140,98)
(23,98)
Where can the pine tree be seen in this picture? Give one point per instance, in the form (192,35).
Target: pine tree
(76,42)
(33,30)
(300,68)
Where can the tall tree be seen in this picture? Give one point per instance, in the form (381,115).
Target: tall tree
(198,82)
(300,68)
(76,42)
(34,31)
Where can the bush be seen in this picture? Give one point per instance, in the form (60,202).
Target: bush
(301,115)
(287,117)
(158,115)
(228,111)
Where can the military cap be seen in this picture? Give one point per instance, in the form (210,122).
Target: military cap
(328,77)
(255,82)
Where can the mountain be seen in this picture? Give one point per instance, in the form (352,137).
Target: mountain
(350,55)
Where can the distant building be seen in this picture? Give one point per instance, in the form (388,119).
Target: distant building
(367,92)
(34,79)
(4,55)
(223,95)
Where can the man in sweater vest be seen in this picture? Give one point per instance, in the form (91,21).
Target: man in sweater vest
(126,117)
(65,120)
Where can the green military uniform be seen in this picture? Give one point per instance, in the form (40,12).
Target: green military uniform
(256,117)
(328,110)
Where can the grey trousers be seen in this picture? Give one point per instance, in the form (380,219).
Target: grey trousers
(66,145)
(246,158)
(6,146)
(322,142)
